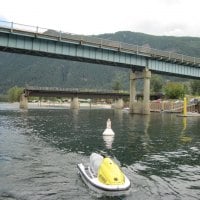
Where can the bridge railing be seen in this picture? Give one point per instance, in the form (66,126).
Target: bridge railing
(59,35)
(36,88)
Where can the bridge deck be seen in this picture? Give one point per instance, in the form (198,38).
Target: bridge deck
(38,32)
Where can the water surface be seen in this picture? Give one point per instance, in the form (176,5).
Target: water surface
(40,148)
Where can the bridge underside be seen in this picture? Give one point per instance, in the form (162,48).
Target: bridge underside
(67,92)
(52,92)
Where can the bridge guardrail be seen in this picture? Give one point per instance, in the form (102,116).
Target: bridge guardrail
(129,47)
(58,35)
(73,90)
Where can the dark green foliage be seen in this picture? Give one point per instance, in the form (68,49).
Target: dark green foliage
(195,87)
(117,86)
(14,94)
(20,70)
(174,90)
(156,83)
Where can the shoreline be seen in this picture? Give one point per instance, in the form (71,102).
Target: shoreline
(66,105)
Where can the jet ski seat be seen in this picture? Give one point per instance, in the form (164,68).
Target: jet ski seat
(95,162)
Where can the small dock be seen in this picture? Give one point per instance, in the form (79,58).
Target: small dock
(190,114)
(180,107)
(171,107)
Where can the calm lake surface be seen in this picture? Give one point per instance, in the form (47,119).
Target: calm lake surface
(40,148)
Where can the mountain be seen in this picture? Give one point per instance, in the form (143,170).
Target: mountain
(19,70)
(183,45)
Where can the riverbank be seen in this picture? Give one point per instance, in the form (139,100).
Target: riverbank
(36,105)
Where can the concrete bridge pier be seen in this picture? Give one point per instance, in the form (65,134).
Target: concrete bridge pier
(23,103)
(144,106)
(75,103)
(119,104)
(132,90)
(146,92)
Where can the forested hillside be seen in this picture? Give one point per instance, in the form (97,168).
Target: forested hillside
(19,70)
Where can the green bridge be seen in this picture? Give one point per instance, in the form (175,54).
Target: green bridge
(19,38)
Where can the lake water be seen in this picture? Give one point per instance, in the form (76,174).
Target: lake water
(40,149)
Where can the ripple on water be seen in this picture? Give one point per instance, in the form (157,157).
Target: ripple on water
(39,151)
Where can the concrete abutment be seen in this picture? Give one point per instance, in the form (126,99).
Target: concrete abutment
(118,104)
(142,107)
(75,103)
(23,103)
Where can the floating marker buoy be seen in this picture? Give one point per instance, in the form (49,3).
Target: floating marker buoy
(108,130)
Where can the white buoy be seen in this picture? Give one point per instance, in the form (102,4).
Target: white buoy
(108,130)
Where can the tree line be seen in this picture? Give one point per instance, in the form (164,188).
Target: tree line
(171,89)
(174,90)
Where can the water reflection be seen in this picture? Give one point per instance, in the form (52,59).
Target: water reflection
(119,115)
(146,138)
(184,123)
(75,115)
(108,139)
(184,137)
(154,152)
(139,141)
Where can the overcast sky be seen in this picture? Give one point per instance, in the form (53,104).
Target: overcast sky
(156,17)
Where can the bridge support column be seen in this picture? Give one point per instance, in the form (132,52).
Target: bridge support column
(146,91)
(132,90)
(74,103)
(119,104)
(23,103)
(144,106)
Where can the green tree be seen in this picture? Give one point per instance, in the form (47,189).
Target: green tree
(14,93)
(186,88)
(174,90)
(156,83)
(117,85)
(195,87)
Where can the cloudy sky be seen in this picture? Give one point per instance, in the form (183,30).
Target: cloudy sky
(156,17)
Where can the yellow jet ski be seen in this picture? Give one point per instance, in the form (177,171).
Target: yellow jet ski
(104,174)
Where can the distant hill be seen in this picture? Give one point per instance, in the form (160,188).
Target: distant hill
(19,70)
(183,45)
